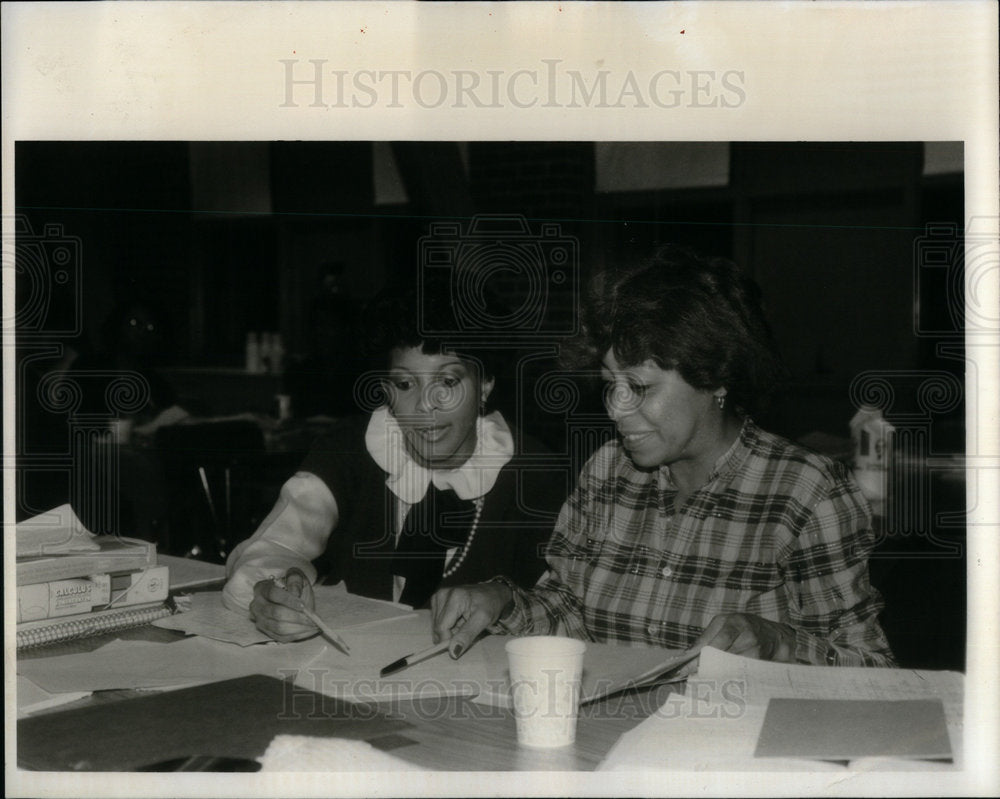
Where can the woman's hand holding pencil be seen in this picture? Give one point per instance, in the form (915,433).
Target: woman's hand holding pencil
(278,607)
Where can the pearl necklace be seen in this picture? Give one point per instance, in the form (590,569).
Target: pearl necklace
(460,557)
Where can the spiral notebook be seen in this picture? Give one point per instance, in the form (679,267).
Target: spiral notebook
(68,628)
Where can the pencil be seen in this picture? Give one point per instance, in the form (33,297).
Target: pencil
(229,506)
(329,634)
(208,494)
(335,639)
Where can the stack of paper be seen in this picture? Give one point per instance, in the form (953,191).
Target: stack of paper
(749,715)
(72,584)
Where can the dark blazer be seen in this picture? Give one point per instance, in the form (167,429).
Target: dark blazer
(518,515)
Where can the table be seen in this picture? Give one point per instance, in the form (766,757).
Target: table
(441,734)
(438,733)
(239,717)
(459,735)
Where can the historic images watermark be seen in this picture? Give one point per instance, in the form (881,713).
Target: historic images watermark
(314,83)
(318,693)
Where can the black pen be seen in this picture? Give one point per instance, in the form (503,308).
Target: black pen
(415,657)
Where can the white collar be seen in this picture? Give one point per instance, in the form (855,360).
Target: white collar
(408,480)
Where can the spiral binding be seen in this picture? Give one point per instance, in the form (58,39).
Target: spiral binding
(72,629)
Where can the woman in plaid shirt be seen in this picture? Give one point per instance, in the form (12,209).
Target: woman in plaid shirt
(694,526)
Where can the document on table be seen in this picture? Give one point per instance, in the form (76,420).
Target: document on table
(765,680)
(374,646)
(921,709)
(55,532)
(31,698)
(720,719)
(312,664)
(209,618)
(847,729)
(138,664)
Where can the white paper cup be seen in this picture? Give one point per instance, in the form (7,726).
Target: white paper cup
(545,675)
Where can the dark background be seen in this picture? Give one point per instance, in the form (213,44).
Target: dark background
(857,247)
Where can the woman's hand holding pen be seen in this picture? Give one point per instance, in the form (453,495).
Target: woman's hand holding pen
(462,613)
(275,608)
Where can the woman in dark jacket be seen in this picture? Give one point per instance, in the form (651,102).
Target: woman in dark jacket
(431,489)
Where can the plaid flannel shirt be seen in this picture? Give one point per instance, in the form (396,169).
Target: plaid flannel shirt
(777,531)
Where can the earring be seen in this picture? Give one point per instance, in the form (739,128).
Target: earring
(721,400)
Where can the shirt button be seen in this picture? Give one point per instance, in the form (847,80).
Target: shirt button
(666,571)
(652,629)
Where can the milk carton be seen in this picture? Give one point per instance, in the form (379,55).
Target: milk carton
(871,436)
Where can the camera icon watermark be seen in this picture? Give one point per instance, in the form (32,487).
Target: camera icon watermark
(47,279)
(536,274)
(963,268)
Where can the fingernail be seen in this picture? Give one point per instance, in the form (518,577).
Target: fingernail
(456,651)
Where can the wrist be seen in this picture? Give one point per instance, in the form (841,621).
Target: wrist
(505,593)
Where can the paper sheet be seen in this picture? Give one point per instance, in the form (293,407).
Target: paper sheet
(31,698)
(356,676)
(55,532)
(686,735)
(845,729)
(313,664)
(209,618)
(138,664)
(206,616)
(155,664)
(716,724)
(764,680)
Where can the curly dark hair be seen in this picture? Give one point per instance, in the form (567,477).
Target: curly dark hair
(425,316)
(697,314)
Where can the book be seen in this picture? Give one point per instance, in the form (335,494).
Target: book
(85,594)
(83,625)
(114,554)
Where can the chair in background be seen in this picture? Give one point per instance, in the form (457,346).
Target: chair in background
(212,474)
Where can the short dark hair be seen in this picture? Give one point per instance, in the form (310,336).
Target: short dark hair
(424,315)
(697,314)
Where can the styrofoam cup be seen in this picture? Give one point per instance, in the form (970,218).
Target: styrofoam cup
(545,673)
